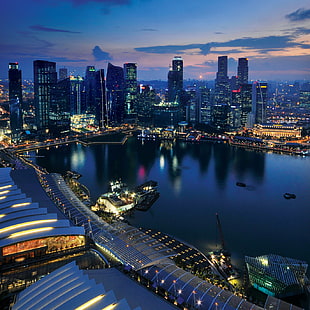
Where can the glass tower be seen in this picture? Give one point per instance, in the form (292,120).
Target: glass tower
(45,79)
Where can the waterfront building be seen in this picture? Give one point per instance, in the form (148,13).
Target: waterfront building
(243,71)
(83,122)
(277,130)
(166,114)
(259,101)
(70,287)
(175,80)
(275,275)
(130,91)
(45,78)
(115,95)
(30,224)
(145,105)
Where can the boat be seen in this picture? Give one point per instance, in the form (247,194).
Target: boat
(240,184)
(289,196)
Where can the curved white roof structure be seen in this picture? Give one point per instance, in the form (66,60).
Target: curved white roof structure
(71,288)
(25,218)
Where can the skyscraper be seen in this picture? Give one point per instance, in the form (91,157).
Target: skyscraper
(259,101)
(245,102)
(90,89)
(222,95)
(130,77)
(175,80)
(243,71)
(101,103)
(222,88)
(45,78)
(15,82)
(115,95)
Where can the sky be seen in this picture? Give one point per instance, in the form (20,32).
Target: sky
(273,34)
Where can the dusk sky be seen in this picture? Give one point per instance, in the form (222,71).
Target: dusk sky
(273,34)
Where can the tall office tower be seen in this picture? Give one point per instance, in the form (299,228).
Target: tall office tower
(63,73)
(245,102)
(15,83)
(222,95)
(259,101)
(130,77)
(115,95)
(204,108)
(16,99)
(90,89)
(222,87)
(145,107)
(175,80)
(45,78)
(234,113)
(243,71)
(101,103)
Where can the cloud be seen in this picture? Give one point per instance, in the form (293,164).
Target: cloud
(148,29)
(99,54)
(106,2)
(263,44)
(65,59)
(298,15)
(47,29)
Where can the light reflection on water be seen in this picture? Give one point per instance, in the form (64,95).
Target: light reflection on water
(198,180)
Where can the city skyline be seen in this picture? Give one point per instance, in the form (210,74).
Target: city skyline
(274,36)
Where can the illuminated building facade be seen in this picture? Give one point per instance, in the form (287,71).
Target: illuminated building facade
(83,122)
(277,130)
(204,107)
(166,114)
(130,77)
(45,78)
(145,105)
(31,227)
(175,80)
(16,100)
(275,275)
(259,101)
(221,96)
(245,102)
